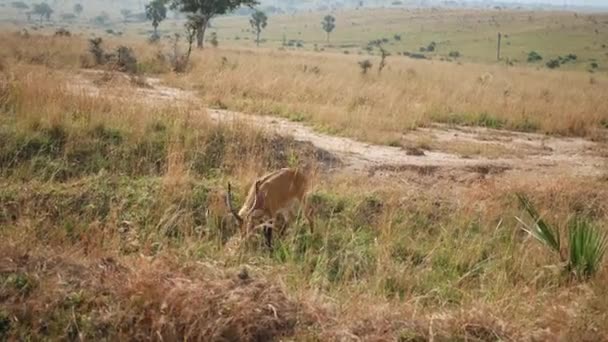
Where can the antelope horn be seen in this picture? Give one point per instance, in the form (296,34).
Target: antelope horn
(229,203)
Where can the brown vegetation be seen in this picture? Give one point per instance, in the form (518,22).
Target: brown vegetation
(111,225)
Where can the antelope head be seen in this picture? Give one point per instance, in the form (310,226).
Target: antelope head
(254,215)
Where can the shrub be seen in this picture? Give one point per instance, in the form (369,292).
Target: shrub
(365,66)
(154,38)
(594,65)
(96,50)
(416,55)
(397,37)
(534,56)
(126,61)
(454,54)
(213,40)
(62,32)
(552,64)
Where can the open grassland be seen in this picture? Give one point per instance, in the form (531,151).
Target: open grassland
(471,33)
(330,93)
(113,224)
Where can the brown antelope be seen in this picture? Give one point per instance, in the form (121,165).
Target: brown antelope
(273,197)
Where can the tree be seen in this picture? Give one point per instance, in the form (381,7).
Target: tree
(125,14)
(383,55)
(102,19)
(365,65)
(258,22)
(43,10)
(157,12)
(78,9)
(202,11)
(329,24)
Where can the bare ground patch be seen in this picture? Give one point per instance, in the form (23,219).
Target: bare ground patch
(467,149)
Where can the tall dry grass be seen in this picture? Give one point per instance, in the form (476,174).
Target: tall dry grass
(329,91)
(103,208)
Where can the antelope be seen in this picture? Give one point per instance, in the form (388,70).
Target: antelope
(273,197)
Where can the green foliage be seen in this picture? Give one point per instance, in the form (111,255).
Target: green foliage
(78,9)
(102,19)
(586,243)
(473,119)
(213,40)
(542,231)
(365,66)
(534,56)
(454,54)
(258,22)
(43,10)
(587,248)
(19,282)
(156,11)
(328,24)
(5,324)
(553,63)
(201,12)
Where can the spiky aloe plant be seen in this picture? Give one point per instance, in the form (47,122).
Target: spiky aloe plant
(541,230)
(587,247)
(586,244)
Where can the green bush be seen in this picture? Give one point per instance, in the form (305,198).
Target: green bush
(534,56)
(553,63)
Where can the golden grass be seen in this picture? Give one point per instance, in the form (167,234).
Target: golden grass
(128,252)
(379,108)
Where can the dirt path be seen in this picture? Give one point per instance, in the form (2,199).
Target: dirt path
(524,153)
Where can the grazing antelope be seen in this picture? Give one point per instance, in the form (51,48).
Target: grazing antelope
(271,198)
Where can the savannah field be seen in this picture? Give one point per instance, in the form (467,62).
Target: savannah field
(113,174)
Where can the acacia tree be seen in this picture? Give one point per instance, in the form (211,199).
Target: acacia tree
(157,12)
(78,9)
(329,24)
(126,13)
(200,12)
(258,22)
(43,10)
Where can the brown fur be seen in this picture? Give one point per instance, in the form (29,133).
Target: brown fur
(272,195)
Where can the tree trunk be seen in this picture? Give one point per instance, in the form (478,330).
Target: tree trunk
(498,47)
(156,30)
(200,33)
(327,37)
(258,38)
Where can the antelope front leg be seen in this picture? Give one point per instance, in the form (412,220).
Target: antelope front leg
(268,235)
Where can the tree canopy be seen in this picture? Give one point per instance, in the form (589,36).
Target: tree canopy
(202,11)
(78,9)
(258,21)
(329,24)
(43,10)
(156,11)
